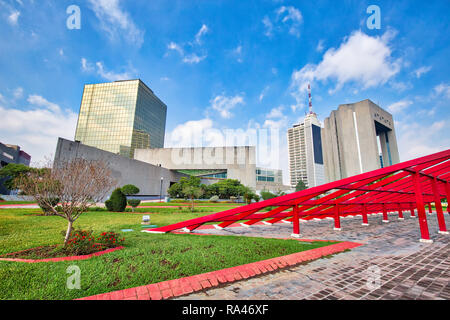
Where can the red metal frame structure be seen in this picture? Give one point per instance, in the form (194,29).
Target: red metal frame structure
(404,186)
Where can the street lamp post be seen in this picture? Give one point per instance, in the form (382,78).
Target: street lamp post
(160,190)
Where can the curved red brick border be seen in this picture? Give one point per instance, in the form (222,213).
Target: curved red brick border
(187,285)
(72,258)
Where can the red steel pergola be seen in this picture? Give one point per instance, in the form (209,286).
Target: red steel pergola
(404,186)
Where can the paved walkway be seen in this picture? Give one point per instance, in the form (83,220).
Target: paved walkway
(392,264)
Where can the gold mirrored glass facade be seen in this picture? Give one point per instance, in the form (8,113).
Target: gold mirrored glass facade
(120,117)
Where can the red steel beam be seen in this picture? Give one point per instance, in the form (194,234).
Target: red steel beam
(357,195)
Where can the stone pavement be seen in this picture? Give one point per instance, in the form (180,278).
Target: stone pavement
(392,264)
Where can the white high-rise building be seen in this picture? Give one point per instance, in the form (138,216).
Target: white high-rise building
(305,152)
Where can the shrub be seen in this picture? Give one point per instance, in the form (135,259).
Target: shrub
(134,203)
(117,202)
(130,189)
(110,240)
(267,195)
(81,242)
(84,242)
(214,199)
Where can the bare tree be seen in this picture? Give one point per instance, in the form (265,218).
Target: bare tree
(78,184)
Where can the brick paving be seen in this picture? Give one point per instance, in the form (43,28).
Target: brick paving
(407,269)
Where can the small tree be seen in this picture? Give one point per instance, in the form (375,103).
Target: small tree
(192,192)
(247,193)
(11,172)
(78,184)
(130,189)
(300,186)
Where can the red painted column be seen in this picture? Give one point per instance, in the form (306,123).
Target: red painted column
(429,208)
(438,205)
(425,235)
(296,223)
(447,189)
(337,219)
(364,214)
(400,212)
(413,214)
(385,214)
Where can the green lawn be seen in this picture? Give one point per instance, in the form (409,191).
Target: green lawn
(17,202)
(147,258)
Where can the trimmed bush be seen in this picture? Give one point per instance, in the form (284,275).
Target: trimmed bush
(117,202)
(130,189)
(134,203)
(214,199)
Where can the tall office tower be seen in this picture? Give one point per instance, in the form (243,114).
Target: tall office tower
(120,117)
(305,151)
(357,138)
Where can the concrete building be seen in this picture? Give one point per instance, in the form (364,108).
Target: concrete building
(353,138)
(208,162)
(212,164)
(11,154)
(147,177)
(120,117)
(270,180)
(305,152)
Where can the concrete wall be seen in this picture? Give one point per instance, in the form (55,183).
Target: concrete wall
(350,140)
(145,176)
(240,162)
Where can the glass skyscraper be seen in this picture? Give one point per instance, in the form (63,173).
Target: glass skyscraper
(120,117)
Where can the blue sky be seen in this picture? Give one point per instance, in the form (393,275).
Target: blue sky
(227,65)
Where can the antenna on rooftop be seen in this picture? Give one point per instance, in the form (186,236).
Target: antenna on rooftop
(310,99)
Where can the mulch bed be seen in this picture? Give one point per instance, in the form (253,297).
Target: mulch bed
(54,251)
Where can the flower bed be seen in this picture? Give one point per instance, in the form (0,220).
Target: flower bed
(72,258)
(80,243)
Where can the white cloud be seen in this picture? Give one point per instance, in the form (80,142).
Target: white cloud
(224,104)
(237,52)
(399,106)
(263,93)
(193,58)
(292,15)
(284,16)
(422,70)
(320,46)
(413,145)
(40,101)
(276,113)
(86,66)
(18,93)
(443,89)
(268,26)
(196,133)
(361,59)
(115,21)
(13,18)
(110,75)
(174,46)
(203,30)
(37,128)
